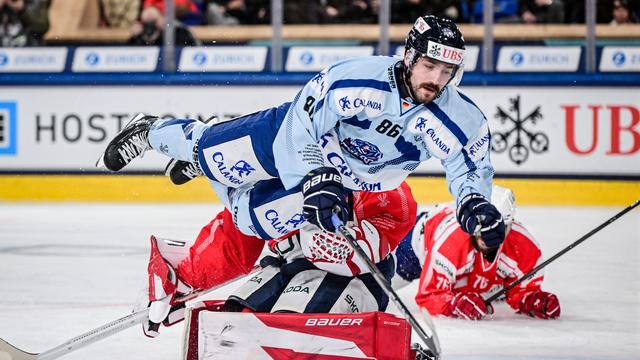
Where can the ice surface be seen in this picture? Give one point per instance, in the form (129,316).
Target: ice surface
(68,268)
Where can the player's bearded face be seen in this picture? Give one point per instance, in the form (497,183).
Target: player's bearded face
(428,77)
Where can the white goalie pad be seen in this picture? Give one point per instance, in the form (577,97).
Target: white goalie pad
(211,334)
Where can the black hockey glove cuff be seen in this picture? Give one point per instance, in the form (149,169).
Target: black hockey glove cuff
(323,191)
(476,215)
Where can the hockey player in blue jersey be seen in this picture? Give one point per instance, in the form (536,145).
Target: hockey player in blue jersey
(361,124)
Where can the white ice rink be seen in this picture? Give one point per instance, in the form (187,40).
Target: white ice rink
(68,268)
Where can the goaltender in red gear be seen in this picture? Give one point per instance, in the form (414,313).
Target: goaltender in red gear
(221,252)
(459,271)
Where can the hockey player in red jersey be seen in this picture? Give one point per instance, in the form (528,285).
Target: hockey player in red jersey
(221,252)
(457,270)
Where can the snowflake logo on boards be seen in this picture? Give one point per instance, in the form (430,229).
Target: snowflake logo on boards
(518,140)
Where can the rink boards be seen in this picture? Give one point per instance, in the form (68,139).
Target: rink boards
(426,190)
(565,145)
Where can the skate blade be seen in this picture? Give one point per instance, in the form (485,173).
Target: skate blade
(100,162)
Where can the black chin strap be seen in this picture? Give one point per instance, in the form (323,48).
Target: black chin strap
(403,74)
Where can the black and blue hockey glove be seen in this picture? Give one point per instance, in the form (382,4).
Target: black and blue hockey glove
(323,192)
(477,215)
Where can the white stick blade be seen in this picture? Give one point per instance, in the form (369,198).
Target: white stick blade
(10,352)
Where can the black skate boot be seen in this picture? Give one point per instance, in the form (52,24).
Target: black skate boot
(181,172)
(129,144)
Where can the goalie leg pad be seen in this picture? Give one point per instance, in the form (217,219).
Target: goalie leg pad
(259,292)
(316,291)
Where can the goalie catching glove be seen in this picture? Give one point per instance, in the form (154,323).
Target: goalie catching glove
(323,193)
(164,288)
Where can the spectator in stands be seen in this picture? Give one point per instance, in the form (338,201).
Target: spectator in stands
(294,12)
(13,32)
(542,11)
(505,11)
(621,13)
(36,19)
(404,11)
(189,12)
(350,11)
(23,22)
(149,31)
(120,13)
(226,12)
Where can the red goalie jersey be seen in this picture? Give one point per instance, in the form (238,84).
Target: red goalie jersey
(453,266)
(221,252)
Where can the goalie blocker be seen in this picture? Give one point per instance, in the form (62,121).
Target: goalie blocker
(212,334)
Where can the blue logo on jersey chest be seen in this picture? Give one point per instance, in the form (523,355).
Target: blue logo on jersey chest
(363,150)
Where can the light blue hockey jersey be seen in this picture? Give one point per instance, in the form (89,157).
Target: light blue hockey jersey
(352,116)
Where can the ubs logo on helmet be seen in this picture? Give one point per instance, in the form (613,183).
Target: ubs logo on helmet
(445,53)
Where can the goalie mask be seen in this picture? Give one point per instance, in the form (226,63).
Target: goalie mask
(505,201)
(438,39)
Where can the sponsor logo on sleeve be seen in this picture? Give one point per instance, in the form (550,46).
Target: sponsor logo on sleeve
(281,216)
(281,226)
(439,141)
(233,163)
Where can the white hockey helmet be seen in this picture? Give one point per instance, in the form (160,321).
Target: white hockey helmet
(505,201)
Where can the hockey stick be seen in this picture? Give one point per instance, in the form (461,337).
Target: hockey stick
(430,341)
(10,352)
(561,252)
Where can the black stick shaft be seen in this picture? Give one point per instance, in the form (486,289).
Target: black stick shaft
(561,252)
(382,281)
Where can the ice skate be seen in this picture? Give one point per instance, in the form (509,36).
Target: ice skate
(130,143)
(181,172)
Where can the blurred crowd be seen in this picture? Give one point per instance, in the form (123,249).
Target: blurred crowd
(24,22)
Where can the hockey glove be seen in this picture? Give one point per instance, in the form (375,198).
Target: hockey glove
(468,305)
(477,215)
(323,191)
(540,304)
